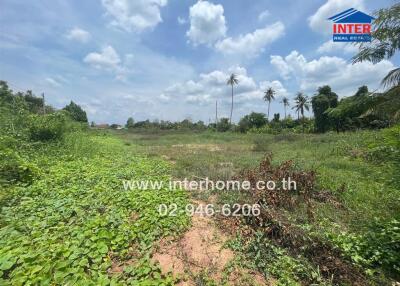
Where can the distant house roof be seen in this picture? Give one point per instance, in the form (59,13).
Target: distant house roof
(101,125)
(352,16)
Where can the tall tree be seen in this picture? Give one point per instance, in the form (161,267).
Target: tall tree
(232,80)
(223,125)
(276,117)
(130,123)
(286,103)
(360,110)
(252,120)
(321,102)
(301,103)
(35,104)
(385,43)
(269,96)
(76,112)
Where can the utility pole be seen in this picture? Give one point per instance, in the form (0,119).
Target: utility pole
(44,109)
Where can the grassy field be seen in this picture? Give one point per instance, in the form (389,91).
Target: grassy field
(337,159)
(366,188)
(72,223)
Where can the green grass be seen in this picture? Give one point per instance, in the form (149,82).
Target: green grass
(274,262)
(76,221)
(336,158)
(339,160)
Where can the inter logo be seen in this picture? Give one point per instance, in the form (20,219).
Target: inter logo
(351,26)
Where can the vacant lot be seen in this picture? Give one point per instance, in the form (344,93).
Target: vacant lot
(361,196)
(67,220)
(338,159)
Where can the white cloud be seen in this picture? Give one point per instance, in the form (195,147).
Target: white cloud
(207,23)
(263,15)
(246,83)
(215,78)
(280,64)
(276,85)
(137,15)
(186,88)
(52,82)
(252,44)
(78,34)
(319,21)
(342,76)
(181,21)
(91,109)
(108,58)
(164,98)
(334,47)
(212,86)
(200,99)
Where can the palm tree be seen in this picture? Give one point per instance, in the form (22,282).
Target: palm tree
(285,102)
(385,42)
(232,80)
(301,103)
(269,96)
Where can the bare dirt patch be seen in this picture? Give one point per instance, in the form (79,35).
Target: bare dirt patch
(199,255)
(208,147)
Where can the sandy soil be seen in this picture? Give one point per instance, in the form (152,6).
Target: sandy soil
(200,251)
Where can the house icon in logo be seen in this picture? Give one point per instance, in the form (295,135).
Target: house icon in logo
(351,26)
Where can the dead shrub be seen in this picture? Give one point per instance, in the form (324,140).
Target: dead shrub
(276,226)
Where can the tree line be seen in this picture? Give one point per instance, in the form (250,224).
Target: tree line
(363,110)
(23,114)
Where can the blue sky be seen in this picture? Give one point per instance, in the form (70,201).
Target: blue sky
(169,59)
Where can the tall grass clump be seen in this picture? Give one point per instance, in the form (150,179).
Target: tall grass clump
(47,127)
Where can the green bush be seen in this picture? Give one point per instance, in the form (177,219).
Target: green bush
(76,112)
(384,245)
(14,169)
(243,125)
(253,120)
(287,126)
(223,125)
(47,127)
(266,129)
(378,247)
(275,261)
(386,146)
